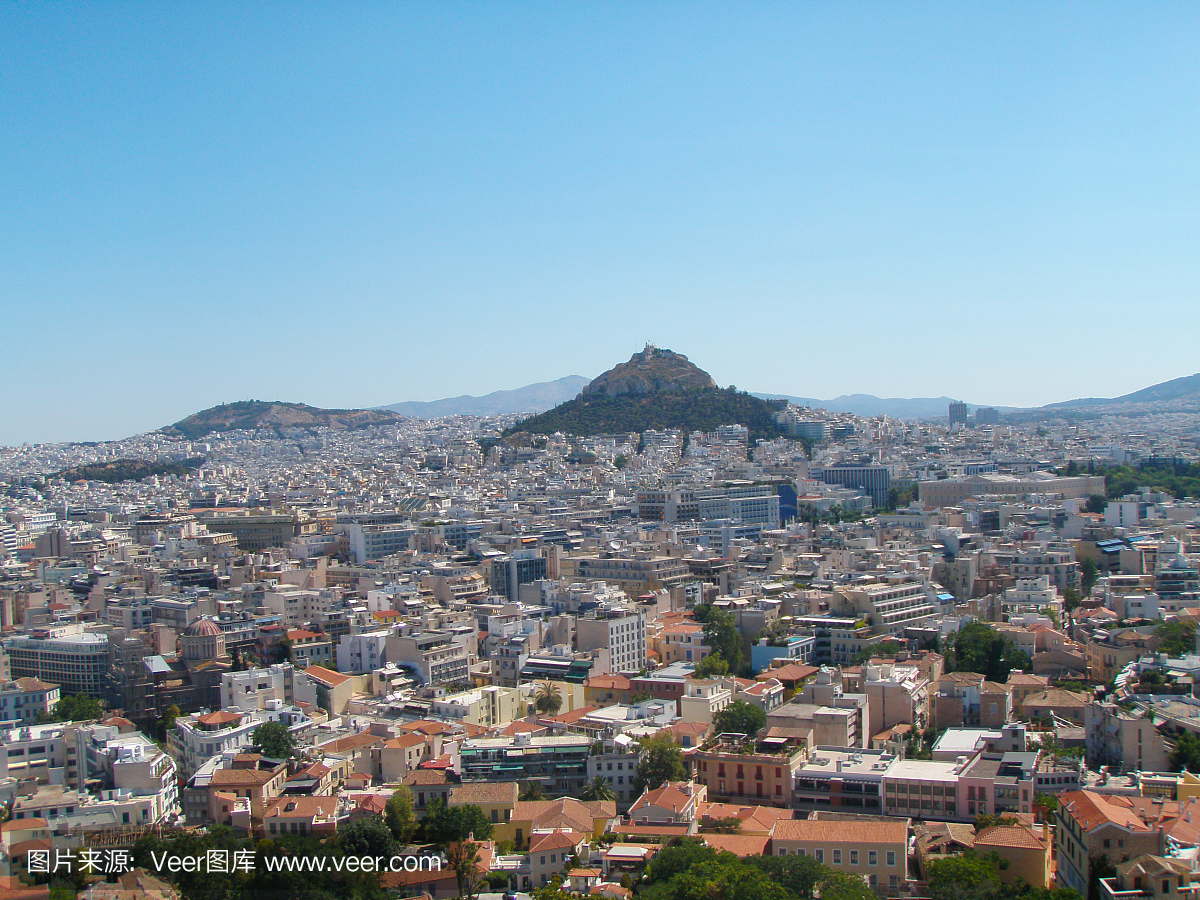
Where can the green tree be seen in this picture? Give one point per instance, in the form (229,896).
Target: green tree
(368,836)
(1099,867)
(445,825)
(78,708)
(273,739)
(844,886)
(531,790)
(660,760)
(284,652)
(721,634)
(398,814)
(978,648)
(1096,503)
(677,857)
(1048,803)
(1070,600)
(1176,638)
(1186,754)
(1088,573)
(798,874)
(965,877)
(739,717)
(547,698)
(598,789)
(712,666)
(463,859)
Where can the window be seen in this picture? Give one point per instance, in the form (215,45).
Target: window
(820,854)
(1107,843)
(893,882)
(854,857)
(837,857)
(872,858)
(891,861)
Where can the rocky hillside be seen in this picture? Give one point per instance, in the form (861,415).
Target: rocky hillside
(652,371)
(656,389)
(252,414)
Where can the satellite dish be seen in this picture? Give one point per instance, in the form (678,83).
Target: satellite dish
(614,545)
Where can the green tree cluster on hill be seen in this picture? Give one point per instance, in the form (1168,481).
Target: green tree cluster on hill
(697,409)
(130,470)
(978,648)
(1178,478)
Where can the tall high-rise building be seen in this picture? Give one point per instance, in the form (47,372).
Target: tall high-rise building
(958,413)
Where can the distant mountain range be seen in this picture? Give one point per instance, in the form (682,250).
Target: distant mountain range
(533,398)
(1185,388)
(655,389)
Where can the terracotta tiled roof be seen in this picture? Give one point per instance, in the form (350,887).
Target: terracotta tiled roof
(485,792)
(892,831)
(741,845)
(1092,810)
(1017,836)
(328,676)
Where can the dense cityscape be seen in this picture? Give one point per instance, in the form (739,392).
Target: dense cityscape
(851,657)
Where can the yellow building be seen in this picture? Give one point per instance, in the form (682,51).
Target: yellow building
(1027,851)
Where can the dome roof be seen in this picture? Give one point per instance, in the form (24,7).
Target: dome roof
(203,628)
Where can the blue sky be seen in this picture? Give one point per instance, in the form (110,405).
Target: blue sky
(357,204)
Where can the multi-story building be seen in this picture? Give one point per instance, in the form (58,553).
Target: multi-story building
(634,573)
(967,698)
(621,631)
(197,737)
(510,572)
(255,533)
(876,481)
(435,657)
(897,694)
(891,608)
(255,688)
(1091,825)
(362,652)
(873,849)
(373,542)
(740,771)
(24,700)
(1126,741)
(953,491)
(68,656)
(558,763)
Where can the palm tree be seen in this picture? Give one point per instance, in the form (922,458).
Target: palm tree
(547,699)
(531,791)
(598,789)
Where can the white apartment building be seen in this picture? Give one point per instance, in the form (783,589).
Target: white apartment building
(201,735)
(23,700)
(485,706)
(1031,595)
(361,653)
(255,688)
(621,631)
